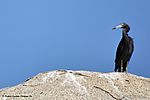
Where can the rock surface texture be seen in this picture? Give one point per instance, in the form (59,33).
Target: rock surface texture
(80,85)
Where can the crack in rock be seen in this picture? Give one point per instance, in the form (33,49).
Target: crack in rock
(108,93)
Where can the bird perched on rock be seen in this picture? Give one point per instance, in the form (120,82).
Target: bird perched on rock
(124,50)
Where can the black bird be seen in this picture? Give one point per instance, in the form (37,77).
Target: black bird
(124,50)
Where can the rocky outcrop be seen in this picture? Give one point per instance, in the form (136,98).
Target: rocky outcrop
(80,85)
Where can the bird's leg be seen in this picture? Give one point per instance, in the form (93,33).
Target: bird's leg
(125,67)
(121,65)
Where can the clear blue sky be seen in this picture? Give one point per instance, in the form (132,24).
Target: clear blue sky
(42,35)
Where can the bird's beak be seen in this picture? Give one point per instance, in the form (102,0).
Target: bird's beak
(117,27)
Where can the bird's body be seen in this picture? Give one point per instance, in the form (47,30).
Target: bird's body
(124,50)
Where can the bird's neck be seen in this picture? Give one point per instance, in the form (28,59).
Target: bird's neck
(124,34)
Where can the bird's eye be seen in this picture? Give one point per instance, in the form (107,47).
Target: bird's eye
(122,25)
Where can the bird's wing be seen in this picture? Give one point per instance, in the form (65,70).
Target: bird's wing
(119,51)
(132,48)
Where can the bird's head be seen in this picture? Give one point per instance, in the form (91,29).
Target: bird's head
(123,26)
